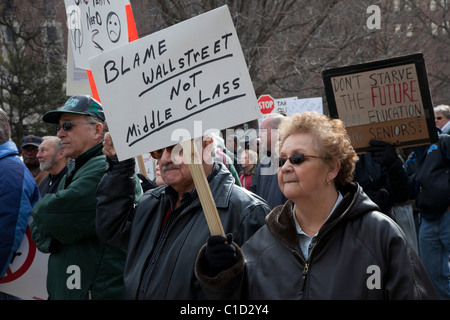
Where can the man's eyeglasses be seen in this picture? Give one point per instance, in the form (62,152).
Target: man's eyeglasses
(439,118)
(67,125)
(295,159)
(157,154)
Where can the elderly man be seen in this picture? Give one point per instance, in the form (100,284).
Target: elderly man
(80,266)
(164,232)
(442,117)
(53,160)
(265,179)
(30,147)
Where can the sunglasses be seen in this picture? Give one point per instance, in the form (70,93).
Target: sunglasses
(295,159)
(157,154)
(67,125)
(439,118)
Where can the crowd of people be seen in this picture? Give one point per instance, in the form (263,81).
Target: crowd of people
(304,216)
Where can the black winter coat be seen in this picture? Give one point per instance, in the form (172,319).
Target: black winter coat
(360,254)
(429,169)
(160,261)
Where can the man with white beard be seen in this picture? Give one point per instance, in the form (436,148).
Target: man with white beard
(53,160)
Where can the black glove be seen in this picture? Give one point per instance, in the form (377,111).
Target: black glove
(382,152)
(146,184)
(220,254)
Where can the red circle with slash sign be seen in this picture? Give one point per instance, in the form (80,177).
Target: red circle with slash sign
(13,275)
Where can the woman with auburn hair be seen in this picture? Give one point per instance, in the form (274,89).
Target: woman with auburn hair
(328,241)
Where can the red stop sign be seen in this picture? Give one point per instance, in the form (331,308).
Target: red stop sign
(266,104)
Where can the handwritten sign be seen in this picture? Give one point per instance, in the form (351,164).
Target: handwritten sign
(303,105)
(95,27)
(384,100)
(175,84)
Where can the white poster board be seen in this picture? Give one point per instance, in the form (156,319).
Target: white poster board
(304,105)
(149,166)
(175,84)
(26,276)
(77,81)
(280,104)
(95,27)
(293,105)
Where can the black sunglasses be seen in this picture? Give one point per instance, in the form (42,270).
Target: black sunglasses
(67,125)
(157,154)
(295,159)
(439,118)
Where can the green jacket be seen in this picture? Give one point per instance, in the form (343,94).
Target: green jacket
(80,266)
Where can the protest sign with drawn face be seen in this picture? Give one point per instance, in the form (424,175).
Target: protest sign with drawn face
(175,84)
(95,27)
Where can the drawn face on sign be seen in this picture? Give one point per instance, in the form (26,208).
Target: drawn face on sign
(113,27)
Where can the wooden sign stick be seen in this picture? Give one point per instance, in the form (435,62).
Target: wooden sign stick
(202,186)
(141,165)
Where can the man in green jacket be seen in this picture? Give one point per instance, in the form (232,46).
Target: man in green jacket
(80,266)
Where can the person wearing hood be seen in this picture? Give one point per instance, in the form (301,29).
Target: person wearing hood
(328,241)
(18,194)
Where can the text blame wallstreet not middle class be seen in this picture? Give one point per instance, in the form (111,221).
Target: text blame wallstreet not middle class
(119,67)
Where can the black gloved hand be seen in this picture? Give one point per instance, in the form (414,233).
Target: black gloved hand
(220,254)
(146,184)
(382,152)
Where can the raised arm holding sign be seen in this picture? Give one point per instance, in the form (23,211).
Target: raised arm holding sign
(168,226)
(162,93)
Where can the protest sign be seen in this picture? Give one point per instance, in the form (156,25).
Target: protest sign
(175,85)
(77,81)
(95,27)
(149,166)
(26,276)
(387,100)
(281,104)
(294,106)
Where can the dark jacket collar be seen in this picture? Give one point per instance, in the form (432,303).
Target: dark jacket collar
(81,160)
(280,221)
(85,157)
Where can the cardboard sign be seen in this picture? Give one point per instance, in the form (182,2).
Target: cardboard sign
(387,100)
(26,276)
(95,27)
(175,84)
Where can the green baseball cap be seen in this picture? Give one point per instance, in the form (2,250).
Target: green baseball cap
(79,104)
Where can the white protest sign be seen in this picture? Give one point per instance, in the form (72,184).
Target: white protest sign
(191,77)
(293,105)
(303,105)
(26,276)
(77,81)
(280,104)
(95,27)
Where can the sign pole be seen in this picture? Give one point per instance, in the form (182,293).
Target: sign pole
(141,165)
(202,186)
